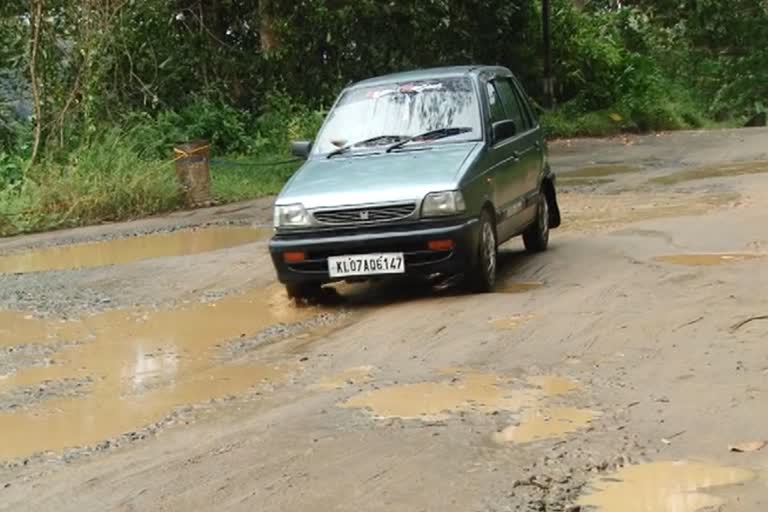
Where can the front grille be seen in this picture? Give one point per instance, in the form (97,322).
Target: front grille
(365,215)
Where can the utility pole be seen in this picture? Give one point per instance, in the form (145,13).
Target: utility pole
(549,81)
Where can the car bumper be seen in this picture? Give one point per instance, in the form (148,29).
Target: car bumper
(412,241)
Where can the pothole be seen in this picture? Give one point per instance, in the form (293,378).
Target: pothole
(713,171)
(707,259)
(143,363)
(129,249)
(481,393)
(670,486)
(518,287)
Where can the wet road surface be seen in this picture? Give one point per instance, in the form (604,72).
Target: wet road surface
(613,371)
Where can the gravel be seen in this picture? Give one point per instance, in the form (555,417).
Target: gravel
(28,396)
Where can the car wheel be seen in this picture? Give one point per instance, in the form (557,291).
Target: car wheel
(303,291)
(482,277)
(536,236)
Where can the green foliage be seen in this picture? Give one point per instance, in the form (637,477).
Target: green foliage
(104,180)
(249,76)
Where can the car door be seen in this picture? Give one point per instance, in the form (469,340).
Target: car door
(509,173)
(527,143)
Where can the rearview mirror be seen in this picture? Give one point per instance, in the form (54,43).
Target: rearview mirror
(301,148)
(503,130)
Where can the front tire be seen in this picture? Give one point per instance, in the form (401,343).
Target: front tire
(536,236)
(303,292)
(482,276)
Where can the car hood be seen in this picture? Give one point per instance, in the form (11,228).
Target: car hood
(377,178)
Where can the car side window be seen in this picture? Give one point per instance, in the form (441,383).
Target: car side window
(512,104)
(495,106)
(525,103)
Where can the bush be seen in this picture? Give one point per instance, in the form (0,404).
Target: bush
(104,180)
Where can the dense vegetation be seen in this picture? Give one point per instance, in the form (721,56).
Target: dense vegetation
(93,93)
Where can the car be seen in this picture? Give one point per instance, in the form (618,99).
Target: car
(422,173)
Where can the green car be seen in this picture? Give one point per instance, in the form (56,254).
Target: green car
(424,174)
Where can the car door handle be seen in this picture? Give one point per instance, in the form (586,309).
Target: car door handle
(515,156)
(537,145)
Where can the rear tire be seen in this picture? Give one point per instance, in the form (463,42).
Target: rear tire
(536,236)
(482,276)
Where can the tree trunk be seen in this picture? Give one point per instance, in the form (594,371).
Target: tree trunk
(36,20)
(266,26)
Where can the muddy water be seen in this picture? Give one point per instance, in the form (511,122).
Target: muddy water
(484,393)
(546,423)
(143,363)
(707,260)
(713,171)
(125,250)
(662,487)
(518,287)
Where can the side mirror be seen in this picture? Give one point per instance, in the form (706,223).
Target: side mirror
(503,130)
(301,148)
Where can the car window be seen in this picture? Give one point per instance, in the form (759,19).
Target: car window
(525,104)
(511,104)
(495,106)
(392,112)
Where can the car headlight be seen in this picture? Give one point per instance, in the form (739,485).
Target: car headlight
(291,216)
(437,204)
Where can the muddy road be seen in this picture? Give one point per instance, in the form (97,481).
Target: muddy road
(156,365)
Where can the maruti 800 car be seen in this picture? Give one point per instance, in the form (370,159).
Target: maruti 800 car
(423,173)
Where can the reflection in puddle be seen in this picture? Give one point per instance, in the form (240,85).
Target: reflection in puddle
(512,322)
(349,377)
(518,287)
(125,250)
(481,392)
(142,362)
(706,260)
(662,487)
(547,423)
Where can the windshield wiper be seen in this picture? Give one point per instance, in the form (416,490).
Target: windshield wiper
(440,133)
(346,148)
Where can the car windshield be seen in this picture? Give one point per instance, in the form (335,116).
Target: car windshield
(377,116)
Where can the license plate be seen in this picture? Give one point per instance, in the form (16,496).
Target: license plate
(366,264)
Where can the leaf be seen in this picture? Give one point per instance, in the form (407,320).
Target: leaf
(753,446)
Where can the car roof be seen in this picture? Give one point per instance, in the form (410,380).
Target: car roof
(429,73)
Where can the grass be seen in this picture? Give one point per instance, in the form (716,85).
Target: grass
(109,180)
(713,171)
(236,180)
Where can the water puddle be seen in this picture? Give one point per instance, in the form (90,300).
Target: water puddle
(512,322)
(349,377)
(472,391)
(547,423)
(126,250)
(713,171)
(662,487)
(601,170)
(518,287)
(142,364)
(584,182)
(707,260)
